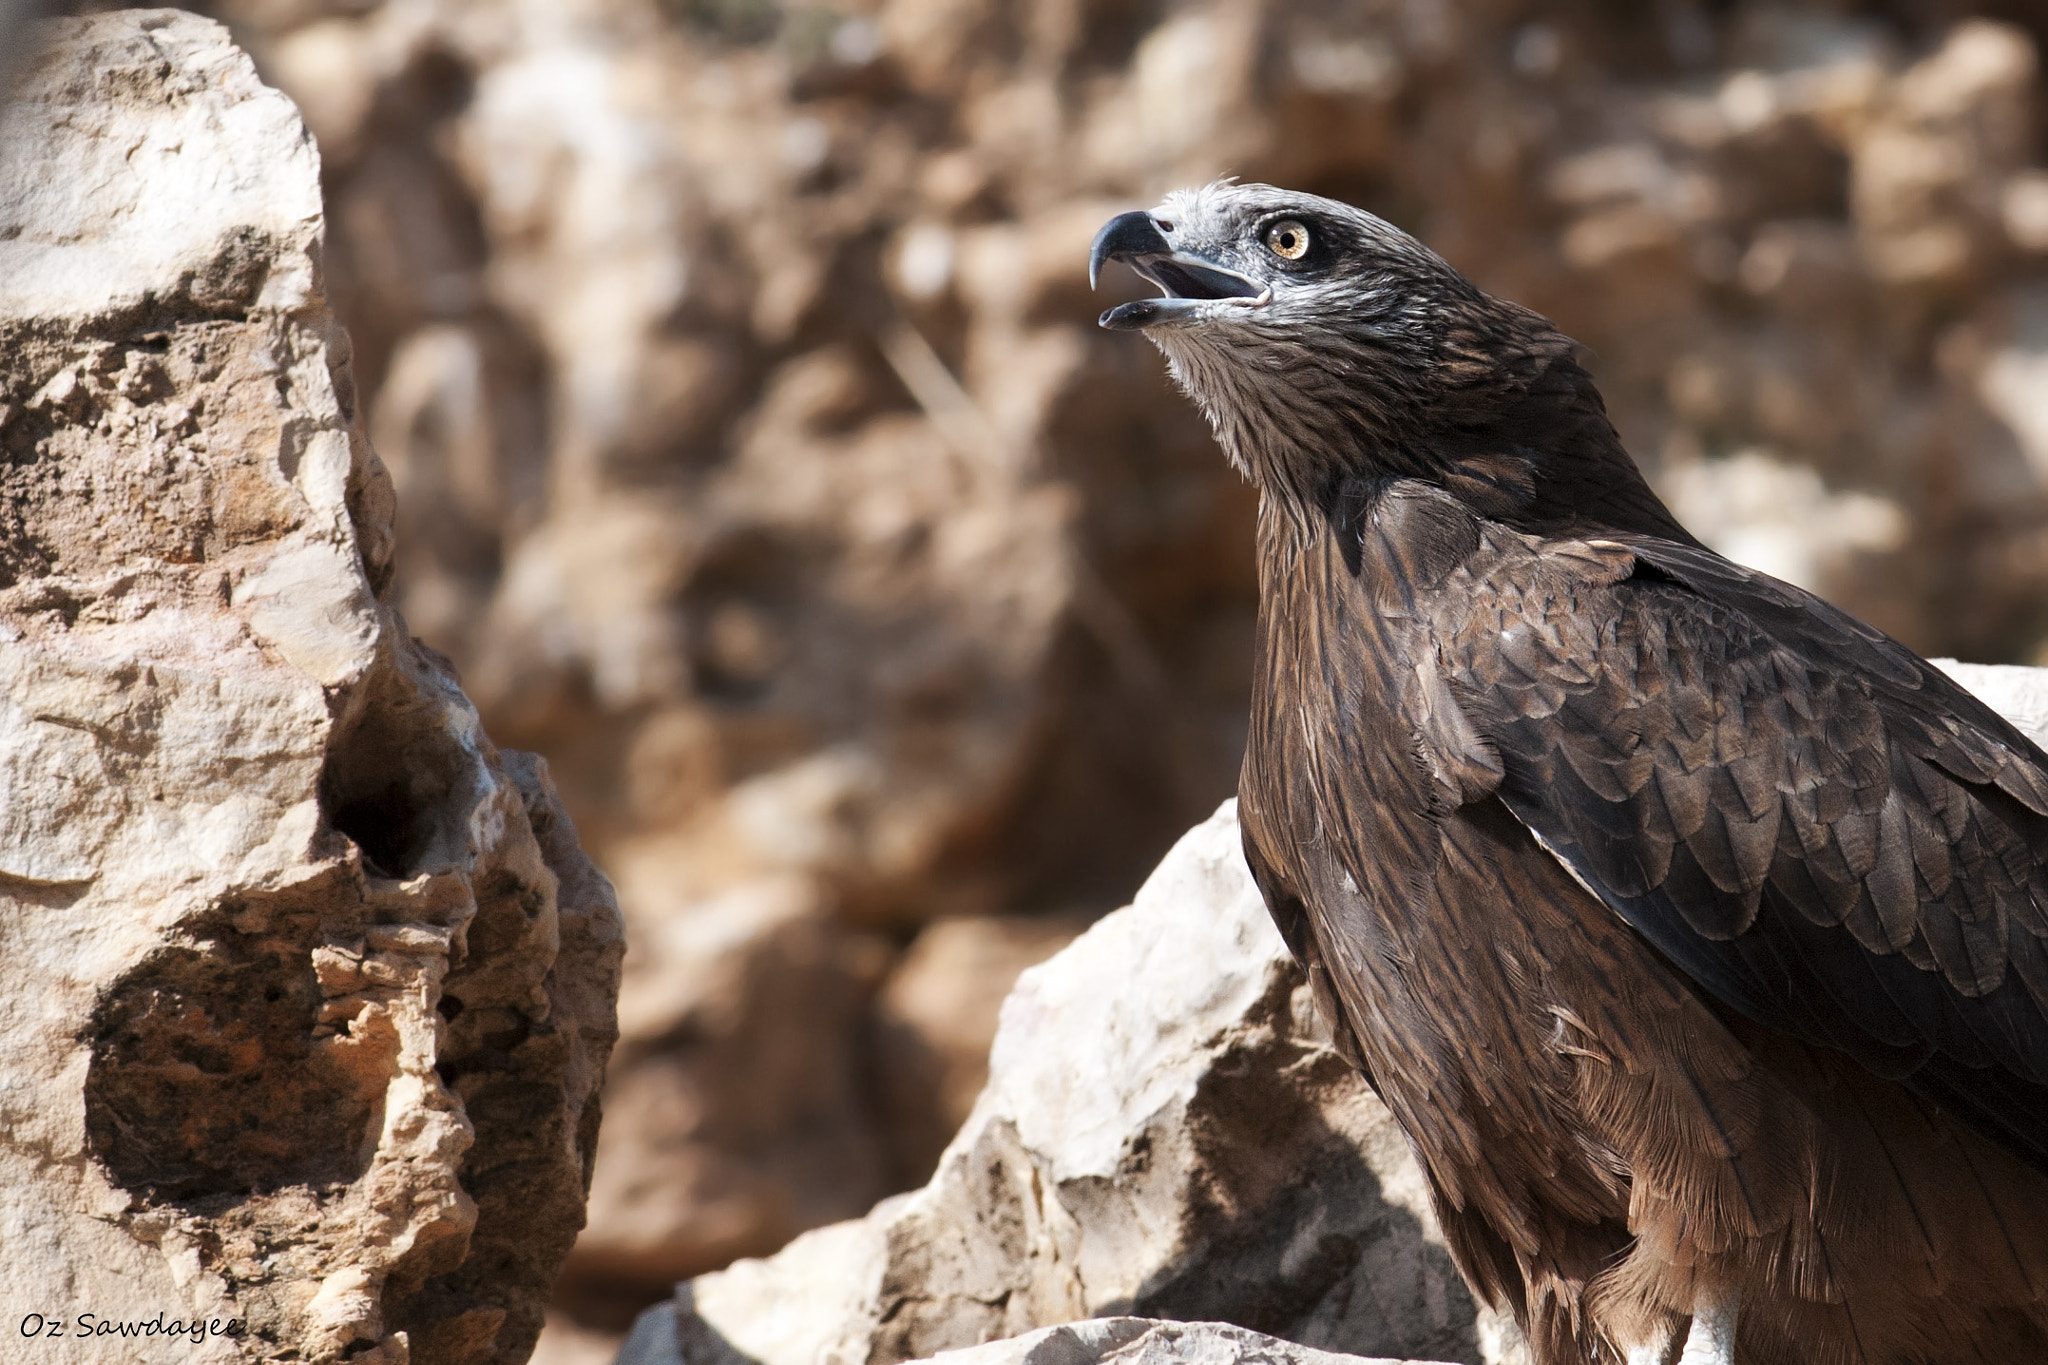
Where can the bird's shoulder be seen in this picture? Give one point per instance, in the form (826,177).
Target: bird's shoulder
(1413,539)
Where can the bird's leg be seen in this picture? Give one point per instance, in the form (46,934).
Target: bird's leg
(1712,1338)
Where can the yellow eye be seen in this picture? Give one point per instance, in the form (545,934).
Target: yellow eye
(1287,239)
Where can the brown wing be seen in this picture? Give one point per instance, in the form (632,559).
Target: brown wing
(1818,827)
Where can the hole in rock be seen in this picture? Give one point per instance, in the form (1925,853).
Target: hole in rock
(397,781)
(386,823)
(204,1079)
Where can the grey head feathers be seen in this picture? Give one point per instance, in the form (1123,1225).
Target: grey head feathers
(1325,345)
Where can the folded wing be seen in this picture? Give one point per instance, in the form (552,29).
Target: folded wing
(1822,830)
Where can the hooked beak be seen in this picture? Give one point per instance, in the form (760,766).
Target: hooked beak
(1187,279)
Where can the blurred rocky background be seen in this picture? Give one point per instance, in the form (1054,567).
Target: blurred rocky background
(760,464)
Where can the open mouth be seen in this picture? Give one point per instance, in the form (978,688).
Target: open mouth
(1186,283)
(1184,279)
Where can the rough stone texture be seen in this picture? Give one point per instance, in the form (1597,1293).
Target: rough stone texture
(1142,1341)
(305,988)
(1097,1341)
(1164,1133)
(736,362)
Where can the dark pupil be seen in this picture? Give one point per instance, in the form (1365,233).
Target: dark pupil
(1287,241)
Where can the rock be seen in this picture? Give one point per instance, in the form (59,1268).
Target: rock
(1164,1133)
(311,986)
(1141,1341)
(936,1020)
(1096,1341)
(2018,694)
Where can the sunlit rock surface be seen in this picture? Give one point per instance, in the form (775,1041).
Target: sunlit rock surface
(1165,1133)
(306,989)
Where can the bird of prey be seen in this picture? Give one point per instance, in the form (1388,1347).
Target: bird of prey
(1695,932)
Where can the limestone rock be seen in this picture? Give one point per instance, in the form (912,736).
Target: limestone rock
(1095,1341)
(309,988)
(936,1020)
(2019,694)
(1164,1133)
(1141,1341)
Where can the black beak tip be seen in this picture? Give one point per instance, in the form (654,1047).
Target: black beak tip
(1122,237)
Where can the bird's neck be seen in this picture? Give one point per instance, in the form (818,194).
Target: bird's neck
(1534,451)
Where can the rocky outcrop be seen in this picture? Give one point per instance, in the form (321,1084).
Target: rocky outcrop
(1165,1133)
(1097,1341)
(309,988)
(1139,1341)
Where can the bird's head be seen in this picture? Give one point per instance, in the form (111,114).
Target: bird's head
(1325,343)
(1242,264)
